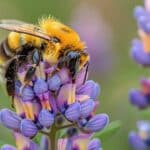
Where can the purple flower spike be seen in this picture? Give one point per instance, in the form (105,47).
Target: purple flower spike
(10,119)
(45,143)
(94,144)
(54,83)
(46,118)
(28,128)
(87,107)
(97,123)
(138,99)
(40,86)
(138,54)
(136,142)
(27,93)
(90,88)
(8,147)
(73,112)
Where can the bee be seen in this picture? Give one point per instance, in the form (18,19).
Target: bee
(50,40)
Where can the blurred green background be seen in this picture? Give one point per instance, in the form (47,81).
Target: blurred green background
(118,80)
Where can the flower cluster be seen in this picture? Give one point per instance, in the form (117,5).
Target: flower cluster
(140,140)
(140,50)
(51,102)
(140,98)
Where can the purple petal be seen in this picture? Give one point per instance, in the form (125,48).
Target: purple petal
(80,77)
(54,83)
(87,107)
(138,54)
(33,146)
(143,18)
(17,87)
(10,119)
(46,118)
(138,99)
(45,145)
(97,123)
(63,96)
(138,11)
(8,147)
(94,144)
(52,101)
(64,76)
(27,93)
(90,88)
(73,112)
(28,128)
(136,142)
(40,86)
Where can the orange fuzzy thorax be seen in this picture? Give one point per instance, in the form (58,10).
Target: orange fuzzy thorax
(67,36)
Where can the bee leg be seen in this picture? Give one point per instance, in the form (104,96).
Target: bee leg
(10,76)
(30,73)
(86,72)
(36,58)
(73,64)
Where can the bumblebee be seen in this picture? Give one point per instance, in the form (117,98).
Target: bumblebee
(50,40)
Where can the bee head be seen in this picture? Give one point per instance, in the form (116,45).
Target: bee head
(74,61)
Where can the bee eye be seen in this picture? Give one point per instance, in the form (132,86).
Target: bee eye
(55,40)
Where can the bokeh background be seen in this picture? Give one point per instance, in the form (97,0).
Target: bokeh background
(108,27)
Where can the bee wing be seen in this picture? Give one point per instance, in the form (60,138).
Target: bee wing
(12,21)
(19,27)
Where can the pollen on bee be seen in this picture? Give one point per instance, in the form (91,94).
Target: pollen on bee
(32,39)
(14,40)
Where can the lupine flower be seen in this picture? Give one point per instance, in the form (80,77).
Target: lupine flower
(51,102)
(140,50)
(141,98)
(140,140)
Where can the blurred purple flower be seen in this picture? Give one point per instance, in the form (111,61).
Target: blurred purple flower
(8,147)
(97,35)
(141,98)
(138,53)
(140,140)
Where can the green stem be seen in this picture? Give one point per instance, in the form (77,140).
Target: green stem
(53,138)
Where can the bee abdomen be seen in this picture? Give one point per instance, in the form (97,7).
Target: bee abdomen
(5,52)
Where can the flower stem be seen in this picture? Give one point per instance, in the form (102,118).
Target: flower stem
(53,138)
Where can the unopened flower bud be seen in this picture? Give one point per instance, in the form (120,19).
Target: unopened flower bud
(28,128)
(46,118)
(10,119)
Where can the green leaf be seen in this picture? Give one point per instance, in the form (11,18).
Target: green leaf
(37,138)
(109,131)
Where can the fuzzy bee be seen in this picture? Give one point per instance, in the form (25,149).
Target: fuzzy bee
(51,41)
